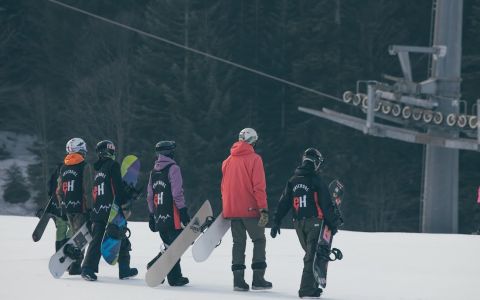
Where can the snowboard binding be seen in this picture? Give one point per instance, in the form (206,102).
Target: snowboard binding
(329,255)
(72,252)
(116,232)
(207,223)
(335,254)
(200,228)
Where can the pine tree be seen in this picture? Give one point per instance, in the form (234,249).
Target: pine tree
(15,187)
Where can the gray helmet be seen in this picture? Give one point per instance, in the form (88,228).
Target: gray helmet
(166,148)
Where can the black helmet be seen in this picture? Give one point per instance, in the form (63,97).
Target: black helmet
(105,149)
(314,156)
(166,148)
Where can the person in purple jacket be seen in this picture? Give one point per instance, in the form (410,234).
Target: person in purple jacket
(166,204)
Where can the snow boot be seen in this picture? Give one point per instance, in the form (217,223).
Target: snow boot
(259,282)
(180,281)
(75,268)
(175,277)
(127,272)
(124,270)
(313,294)
(239,283)
(88,274)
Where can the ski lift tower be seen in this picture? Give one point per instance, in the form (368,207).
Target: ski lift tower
(428,112)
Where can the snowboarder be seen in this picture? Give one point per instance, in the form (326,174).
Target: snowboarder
(73,184)
(309,199)
(244,201)
(477,213)
(108,187)
(166,204)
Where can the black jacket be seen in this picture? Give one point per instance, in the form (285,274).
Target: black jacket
(308,196)
(54,206)
(107,187)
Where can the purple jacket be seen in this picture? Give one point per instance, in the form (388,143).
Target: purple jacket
(176,182)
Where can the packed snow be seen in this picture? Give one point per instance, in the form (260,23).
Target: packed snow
(17,150)
(379,266)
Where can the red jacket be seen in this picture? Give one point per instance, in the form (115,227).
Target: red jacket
(243,183)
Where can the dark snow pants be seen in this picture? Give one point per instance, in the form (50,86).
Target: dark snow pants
(308,231)
(168,237)
(92,258)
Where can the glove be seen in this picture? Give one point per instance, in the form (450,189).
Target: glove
(263,217)
(275,230)
(151,223)
(184,217)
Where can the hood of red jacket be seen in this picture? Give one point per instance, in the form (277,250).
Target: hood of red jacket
(241,148)
(73,159)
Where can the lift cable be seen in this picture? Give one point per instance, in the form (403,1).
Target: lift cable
(172,43)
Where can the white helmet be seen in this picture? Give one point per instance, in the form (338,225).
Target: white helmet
(76,145)
(248,135)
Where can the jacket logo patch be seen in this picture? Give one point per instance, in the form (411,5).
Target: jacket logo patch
(299,202)
(163,218)
(102,207)
(72,203)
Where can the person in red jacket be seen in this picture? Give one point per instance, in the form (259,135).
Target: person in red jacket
(477,213)
(244,202)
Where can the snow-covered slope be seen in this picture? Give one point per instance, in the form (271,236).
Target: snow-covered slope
(379,266)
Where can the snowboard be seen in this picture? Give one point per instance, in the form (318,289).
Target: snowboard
(324,252)
(116,228)
(45,215)
(158,271)
(43,222)
(71,251)
(210,239)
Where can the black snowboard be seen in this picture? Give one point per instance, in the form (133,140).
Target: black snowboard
(44,216)
(324,253)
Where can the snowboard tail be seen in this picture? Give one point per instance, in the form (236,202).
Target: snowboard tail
(43,222)
(210,239)
(320,262)
(163,265)
(324,252)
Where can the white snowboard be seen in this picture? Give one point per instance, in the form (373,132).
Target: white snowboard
(59,262)
(159,270)
(210,239)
